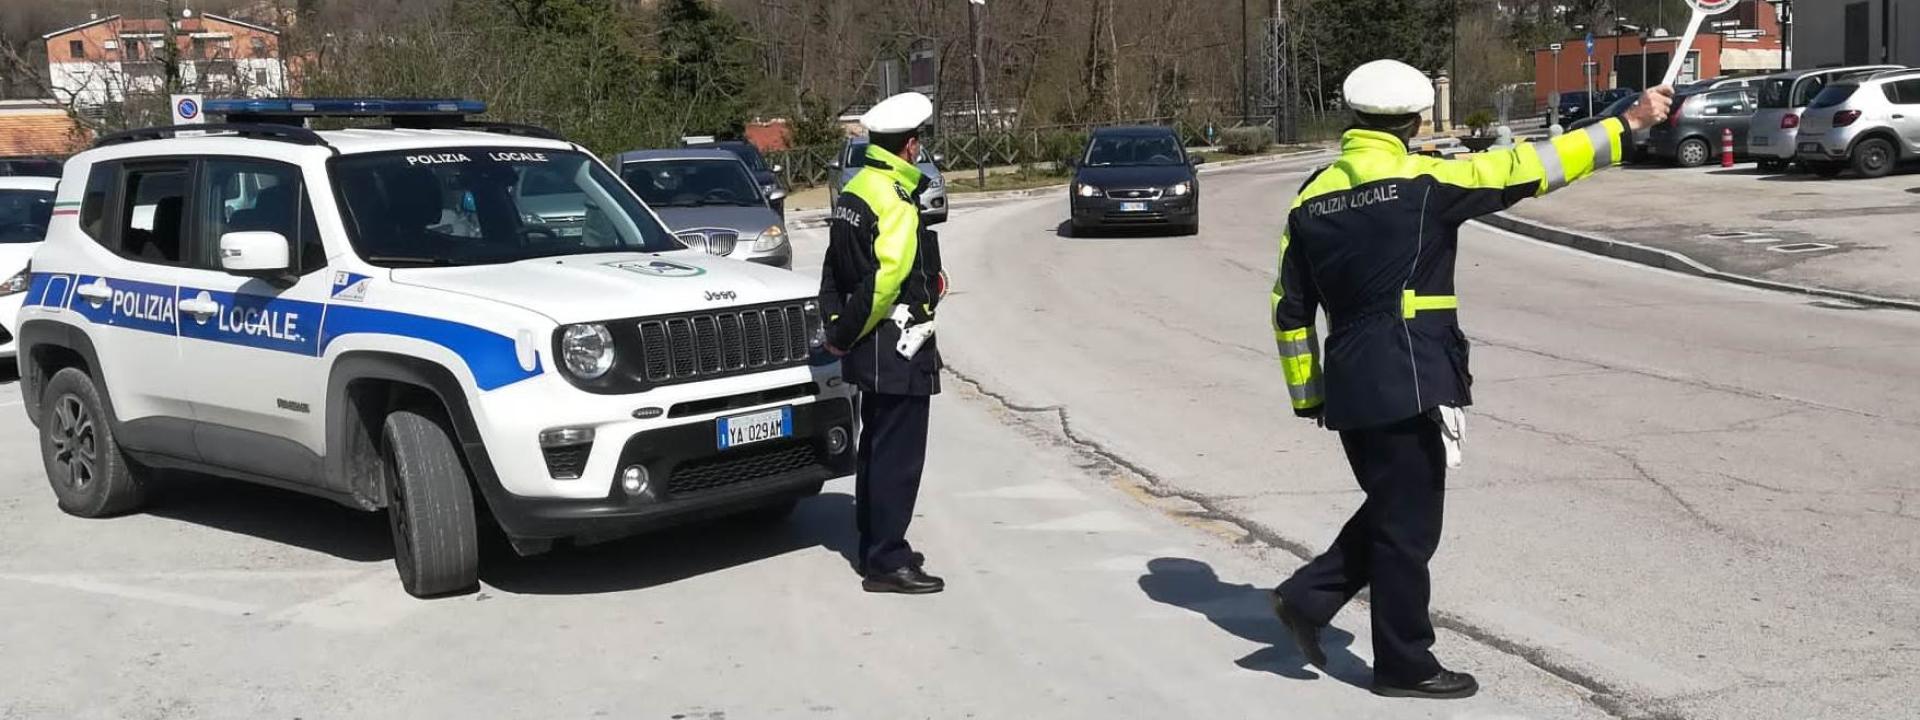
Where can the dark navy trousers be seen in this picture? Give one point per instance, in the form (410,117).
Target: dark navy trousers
(1386,545)
(893,452)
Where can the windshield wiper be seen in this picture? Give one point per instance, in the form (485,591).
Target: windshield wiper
(409,260)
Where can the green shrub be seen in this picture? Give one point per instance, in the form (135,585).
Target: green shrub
(1479,120)
(1061,148)
(1247,140)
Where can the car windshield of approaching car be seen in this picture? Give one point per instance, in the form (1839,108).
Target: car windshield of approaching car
(1134,150)
(692,183)
(24,215)
(479,206)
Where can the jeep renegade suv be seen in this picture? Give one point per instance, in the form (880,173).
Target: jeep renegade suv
(374,316)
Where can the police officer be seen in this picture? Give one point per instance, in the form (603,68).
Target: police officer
(1372,238)
(882,282)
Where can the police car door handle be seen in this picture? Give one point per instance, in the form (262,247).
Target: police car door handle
(96,292)
(199,307)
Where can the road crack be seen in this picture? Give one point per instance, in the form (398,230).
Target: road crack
(1604,696)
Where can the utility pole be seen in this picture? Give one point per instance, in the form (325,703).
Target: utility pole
(975,9)
(1246,67)
(1284,124)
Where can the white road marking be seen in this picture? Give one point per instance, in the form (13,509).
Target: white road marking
(1035,491)
(375,601)
(136,593)
(1093,522)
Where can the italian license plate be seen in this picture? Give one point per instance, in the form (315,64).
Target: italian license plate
(1810,147)
(759,427)
(1133,207)
(1760,141)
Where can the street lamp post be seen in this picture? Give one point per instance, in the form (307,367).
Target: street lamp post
(1783,13)
(1553,100)
(974,10)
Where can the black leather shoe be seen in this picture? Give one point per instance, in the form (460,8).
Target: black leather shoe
(1447,685)
(905,581)
(1306,635)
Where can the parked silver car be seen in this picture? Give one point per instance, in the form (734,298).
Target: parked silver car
(1870,125)
(1773,135)
(711,201)
(933,203)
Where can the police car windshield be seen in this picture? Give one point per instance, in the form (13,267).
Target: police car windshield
(24,215)
(479,206)
(691,183)
(1134,150)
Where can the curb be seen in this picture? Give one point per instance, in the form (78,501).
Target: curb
(818,218)
(1675,261)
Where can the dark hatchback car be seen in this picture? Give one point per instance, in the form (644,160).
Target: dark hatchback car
(1574,107)
(1692,134)
(1134,176)
(767,176)
(30,166)
(1616,109)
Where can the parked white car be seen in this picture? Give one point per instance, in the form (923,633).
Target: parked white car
(26,207)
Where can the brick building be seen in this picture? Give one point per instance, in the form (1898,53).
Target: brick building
(1743,41)
(108,58)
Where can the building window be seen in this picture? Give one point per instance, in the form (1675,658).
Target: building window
(260,78)
(77,49)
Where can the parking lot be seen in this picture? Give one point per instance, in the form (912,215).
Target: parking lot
(1846,233)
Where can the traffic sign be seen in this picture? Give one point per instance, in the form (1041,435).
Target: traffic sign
(186,110)
(1589,44)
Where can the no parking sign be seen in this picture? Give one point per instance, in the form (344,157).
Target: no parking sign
(186,110)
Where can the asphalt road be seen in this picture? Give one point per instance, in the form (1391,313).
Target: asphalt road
(1691,498)
(1682,498)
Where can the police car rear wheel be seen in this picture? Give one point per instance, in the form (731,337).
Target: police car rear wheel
(436,545)
(91,477)
(1693,152)
(1873,158)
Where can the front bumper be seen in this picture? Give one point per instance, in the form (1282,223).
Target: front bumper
(10,324)
(689,478)
(1104,212)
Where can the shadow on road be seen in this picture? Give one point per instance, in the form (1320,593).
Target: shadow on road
(274,515)
(669,556)
(1749,171)
(1065,230)
(1246,612)
(10,373)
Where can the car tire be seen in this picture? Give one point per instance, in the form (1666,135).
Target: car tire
(1076,230)
(90,475)
(1692,153)
(1826,169)
(1873,158)
(436,544)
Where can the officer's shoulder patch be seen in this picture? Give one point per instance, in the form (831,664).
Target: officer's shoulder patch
(904,193)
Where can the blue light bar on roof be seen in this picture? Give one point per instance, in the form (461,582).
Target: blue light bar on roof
(342,107)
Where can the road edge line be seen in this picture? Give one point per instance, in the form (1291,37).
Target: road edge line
(1674,261)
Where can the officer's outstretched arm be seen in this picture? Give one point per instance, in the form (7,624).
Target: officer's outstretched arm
(1493,181)
(1296,300)
(870,301)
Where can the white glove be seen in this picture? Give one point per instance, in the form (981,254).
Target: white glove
(1453,432)
(911,336)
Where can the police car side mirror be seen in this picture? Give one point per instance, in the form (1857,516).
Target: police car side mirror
(776,196)
(256,254)
(939,159)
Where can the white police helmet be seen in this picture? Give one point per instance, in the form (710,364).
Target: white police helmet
(1388,87)
(901,113)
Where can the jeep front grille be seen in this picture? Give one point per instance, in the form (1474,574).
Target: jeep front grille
(703,346)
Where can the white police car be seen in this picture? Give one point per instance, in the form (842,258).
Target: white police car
(26,207)
(375,316)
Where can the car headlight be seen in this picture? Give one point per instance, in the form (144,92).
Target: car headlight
(934,181)
(532,219)
(1181,190)
(772,238)
(587,350)
(1087,191)
(819,336)
(16,284)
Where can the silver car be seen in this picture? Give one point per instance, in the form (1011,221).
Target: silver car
(1871,125)
(933,203)
(709,198)
(1773,136)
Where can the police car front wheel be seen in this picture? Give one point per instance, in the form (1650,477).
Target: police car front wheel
(91,477)
(430,507)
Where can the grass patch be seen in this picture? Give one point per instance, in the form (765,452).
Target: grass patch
(966,181)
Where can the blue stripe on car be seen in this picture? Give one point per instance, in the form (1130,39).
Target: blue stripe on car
(278,325)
